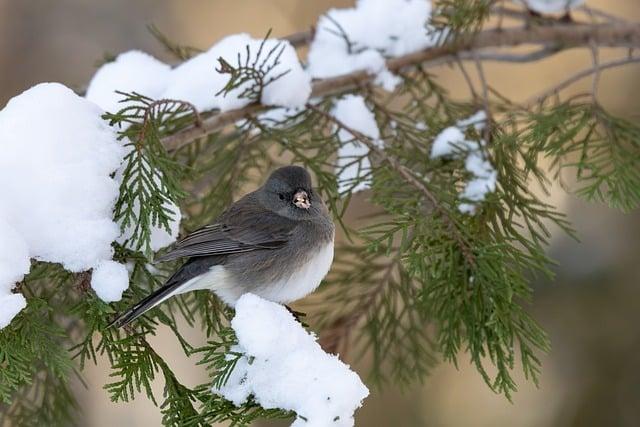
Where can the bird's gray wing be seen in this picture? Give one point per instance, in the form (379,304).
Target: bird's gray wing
(246,226)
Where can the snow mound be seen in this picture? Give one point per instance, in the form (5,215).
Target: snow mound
(198,81)
(55,185)
(353,112)
(284,367)
(551,6)
(132,71)
(360,38)
(452,142)
(109,280)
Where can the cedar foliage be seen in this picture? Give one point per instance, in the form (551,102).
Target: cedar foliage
(418,283)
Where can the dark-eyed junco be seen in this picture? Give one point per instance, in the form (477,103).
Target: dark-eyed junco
(276,242)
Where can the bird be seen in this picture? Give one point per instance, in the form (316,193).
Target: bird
(276,242)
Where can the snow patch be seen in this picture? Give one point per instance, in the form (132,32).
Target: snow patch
(109,280)
(132,71)
(551,6)
(282,366)
(198,82)
(452,142)
(55,185)
(354,113)
(14,264)
(360,38)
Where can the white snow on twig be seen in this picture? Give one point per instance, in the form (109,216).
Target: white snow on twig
(57,193)
(353,164)
(452,142)
(551,6)
(282,366)
(360,38)
(198,80)
(132,71)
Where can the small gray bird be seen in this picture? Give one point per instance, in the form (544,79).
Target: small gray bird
(276,242)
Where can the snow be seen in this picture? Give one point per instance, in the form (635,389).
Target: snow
(132,71)
(197,80)
(478,120)
(14,264)
(375,29)
(551,6)
(55,185)
(447,141)
(109,280)
(282,366)
(354,113)
(452,142)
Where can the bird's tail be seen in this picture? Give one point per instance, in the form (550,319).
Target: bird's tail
(186,278)
(146,304)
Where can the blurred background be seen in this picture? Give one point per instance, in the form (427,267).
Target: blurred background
(591,310)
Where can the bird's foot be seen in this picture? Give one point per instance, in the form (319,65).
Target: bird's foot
(298,315)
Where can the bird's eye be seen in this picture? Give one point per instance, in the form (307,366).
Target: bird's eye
(282,196)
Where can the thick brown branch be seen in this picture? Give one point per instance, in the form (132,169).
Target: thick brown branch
(564,36)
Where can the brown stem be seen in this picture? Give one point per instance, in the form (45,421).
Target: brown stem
(578,76)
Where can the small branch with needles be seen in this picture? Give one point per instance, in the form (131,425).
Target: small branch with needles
(554,38)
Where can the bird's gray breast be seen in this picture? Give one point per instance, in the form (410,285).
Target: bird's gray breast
(274,273)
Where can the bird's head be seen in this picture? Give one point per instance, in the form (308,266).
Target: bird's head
(289,192)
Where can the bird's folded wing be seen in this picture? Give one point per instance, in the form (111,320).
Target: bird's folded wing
(236,231)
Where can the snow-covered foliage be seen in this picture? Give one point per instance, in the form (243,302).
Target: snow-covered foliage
(55,185)
(282,366)
(110,279)
(198,80)
(452,142)
(160,237)
(551,6)
(353,162)
(360,38)
(132,71)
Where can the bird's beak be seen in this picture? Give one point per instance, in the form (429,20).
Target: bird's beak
(301,199)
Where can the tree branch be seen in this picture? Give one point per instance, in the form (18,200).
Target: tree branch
(408,176)
(578,76)
(565,36)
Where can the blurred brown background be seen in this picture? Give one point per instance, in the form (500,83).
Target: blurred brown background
(591,310)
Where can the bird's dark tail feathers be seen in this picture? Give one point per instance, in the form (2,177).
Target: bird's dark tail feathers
(177,283)
(146,304)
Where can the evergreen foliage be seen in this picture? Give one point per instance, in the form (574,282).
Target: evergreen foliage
(418,282)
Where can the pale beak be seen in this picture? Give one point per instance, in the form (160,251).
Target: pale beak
(301,199)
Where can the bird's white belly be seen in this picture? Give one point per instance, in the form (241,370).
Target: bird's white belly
(299,284)
(302,282)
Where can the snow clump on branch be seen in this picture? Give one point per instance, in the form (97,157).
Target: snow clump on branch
(56,188)
(361,38)
(282,366)
(452,142)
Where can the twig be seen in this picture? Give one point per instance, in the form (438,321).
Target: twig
(407,175)
(600,14)
(596,75)
(338,331)
(485,97)
(576,77)
(507,57)
(466,76)
(564,35)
